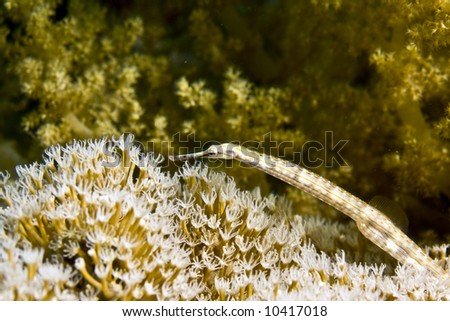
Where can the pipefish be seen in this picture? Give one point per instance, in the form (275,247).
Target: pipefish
(372,223)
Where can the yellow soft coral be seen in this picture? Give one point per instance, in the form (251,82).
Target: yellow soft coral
(81,75)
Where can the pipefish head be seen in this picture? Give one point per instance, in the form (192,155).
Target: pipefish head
(222,151)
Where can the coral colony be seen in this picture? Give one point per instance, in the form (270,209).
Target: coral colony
(73,228)
(177,73)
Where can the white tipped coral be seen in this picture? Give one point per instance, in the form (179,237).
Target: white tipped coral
(88,225)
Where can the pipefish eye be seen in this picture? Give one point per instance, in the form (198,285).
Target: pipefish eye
(227,150)
(212,151)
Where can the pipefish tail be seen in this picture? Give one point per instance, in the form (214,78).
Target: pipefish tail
(372,223)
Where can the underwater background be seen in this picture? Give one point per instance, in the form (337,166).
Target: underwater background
(274,75)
